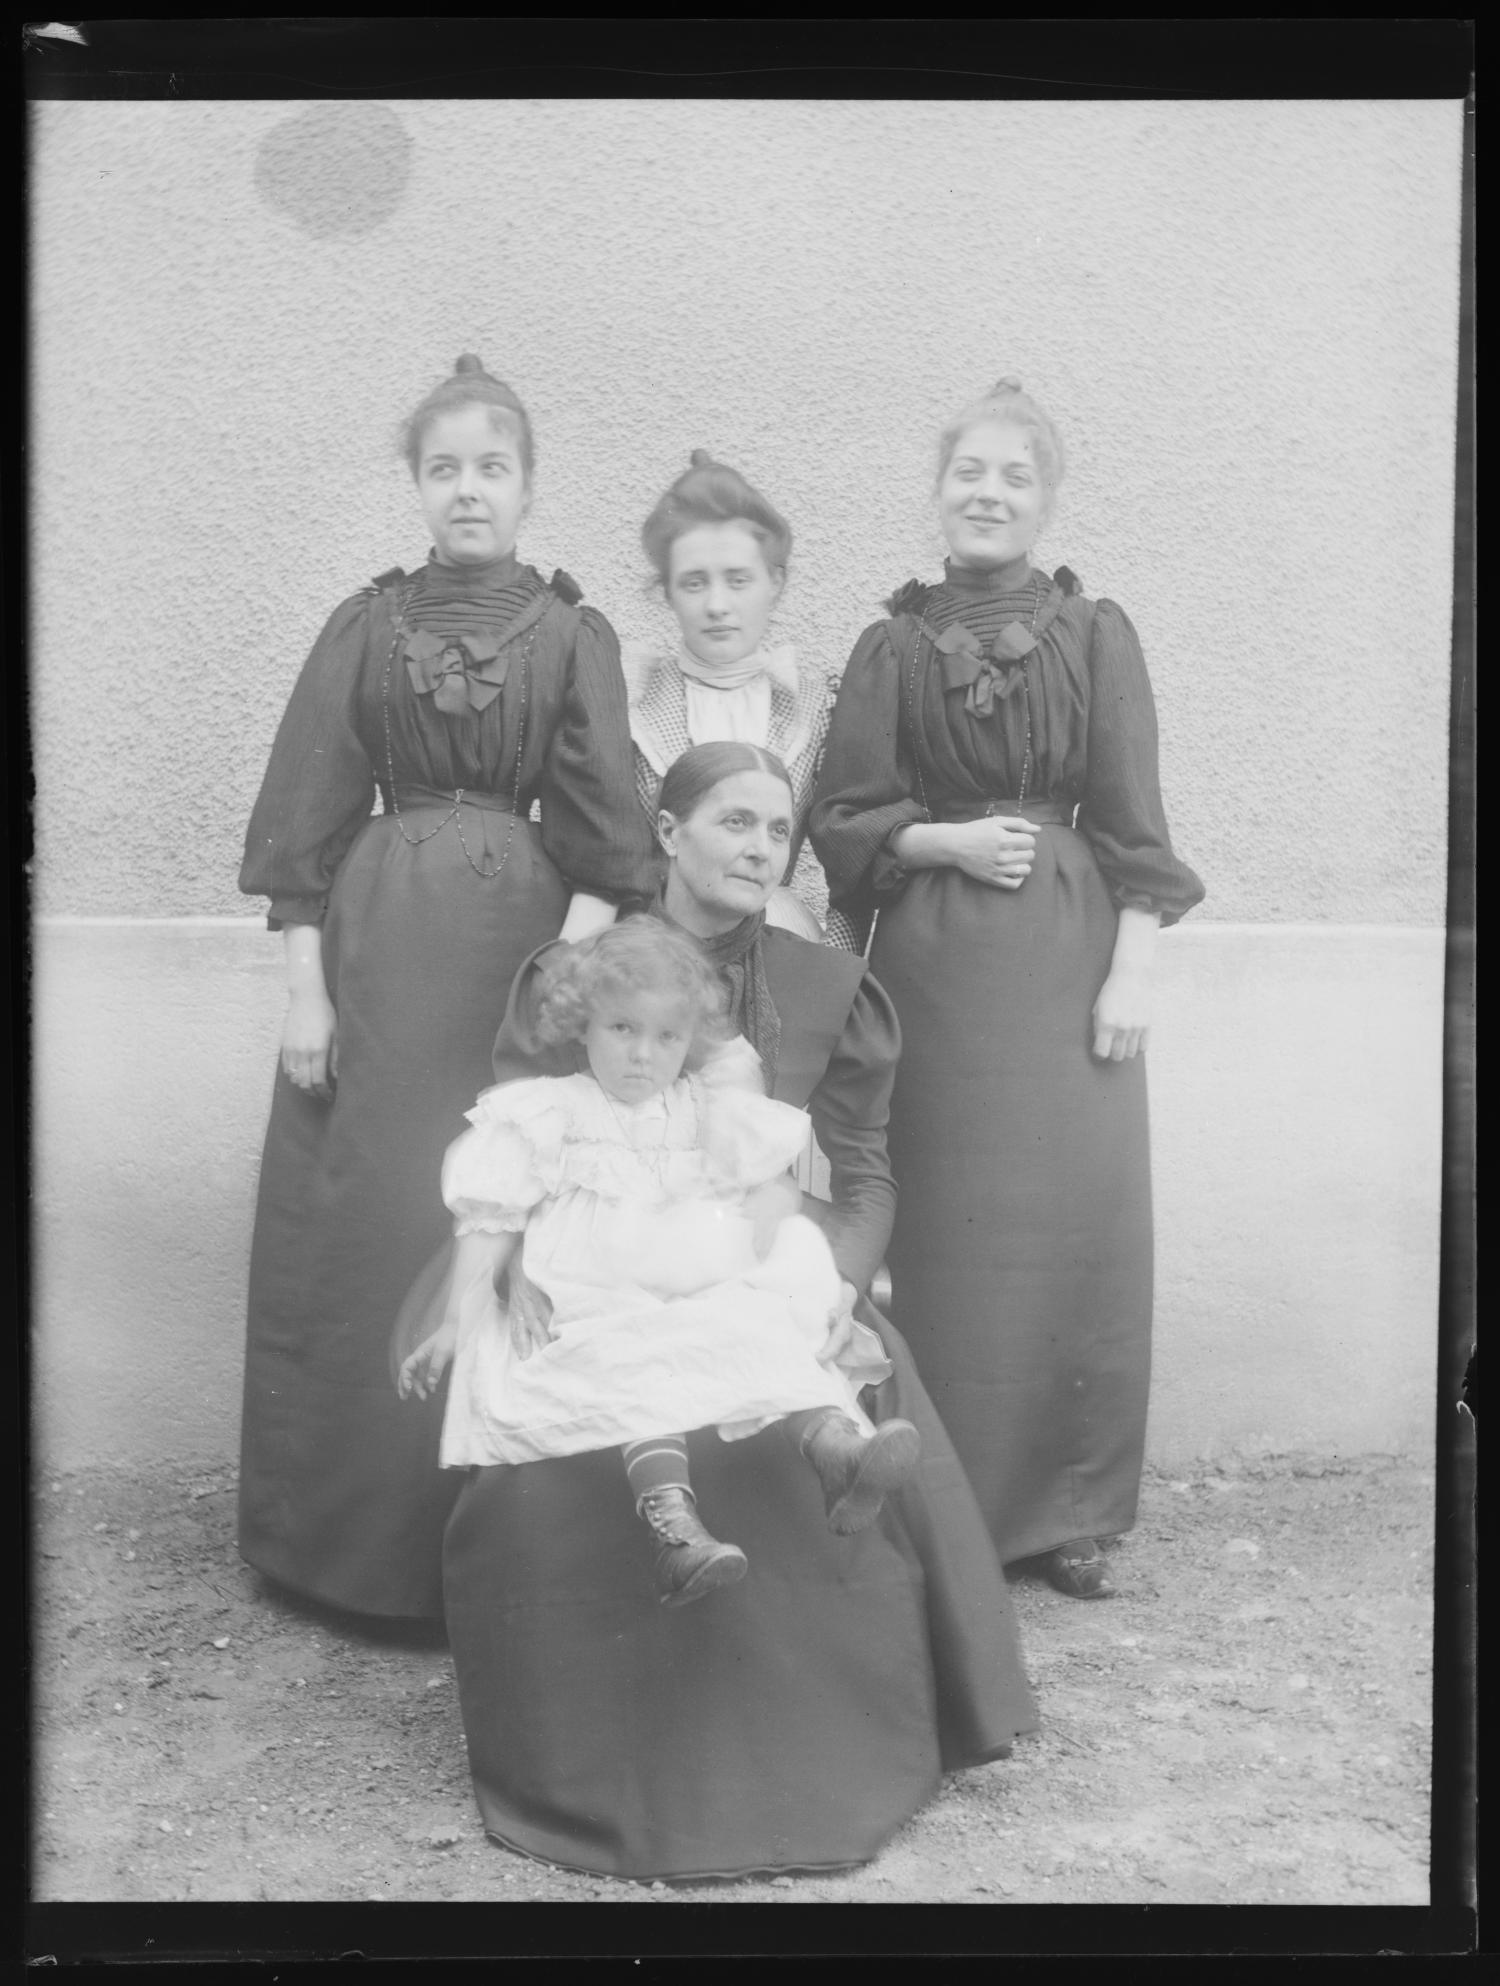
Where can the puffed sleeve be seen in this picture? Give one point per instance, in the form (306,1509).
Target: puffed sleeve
(319,785)
(1121,815)
(749,1139)
(867,787)
(850,1110)
(508,1160)
(593,825)
(733,1065)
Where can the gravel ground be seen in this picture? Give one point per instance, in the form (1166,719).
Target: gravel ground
(1248,1722)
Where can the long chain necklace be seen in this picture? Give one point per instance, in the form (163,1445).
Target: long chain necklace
(925,633)
(653,1158)
(455,812)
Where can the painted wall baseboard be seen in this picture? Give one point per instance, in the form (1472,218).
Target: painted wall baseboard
(1296,1097)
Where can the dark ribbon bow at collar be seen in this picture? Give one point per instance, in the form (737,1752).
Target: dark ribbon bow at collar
(458,671)
(985,672)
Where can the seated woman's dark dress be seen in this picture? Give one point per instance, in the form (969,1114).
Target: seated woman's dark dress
(792,1721)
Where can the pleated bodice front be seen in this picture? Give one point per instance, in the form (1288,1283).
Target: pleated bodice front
(937,718)
(492,683)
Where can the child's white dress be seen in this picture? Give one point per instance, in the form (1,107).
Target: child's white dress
(663,1319)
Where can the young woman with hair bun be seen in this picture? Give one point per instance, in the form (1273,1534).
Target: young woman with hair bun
(990,788)
(459,695)
(719,551)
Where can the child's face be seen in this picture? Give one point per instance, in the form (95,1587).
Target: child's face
(637,1043)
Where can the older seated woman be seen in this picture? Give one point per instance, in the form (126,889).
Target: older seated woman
(799,1718)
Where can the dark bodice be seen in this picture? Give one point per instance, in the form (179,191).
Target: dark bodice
(945,706)
(507,688)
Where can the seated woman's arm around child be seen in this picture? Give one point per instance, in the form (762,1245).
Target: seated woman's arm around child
(652,1208)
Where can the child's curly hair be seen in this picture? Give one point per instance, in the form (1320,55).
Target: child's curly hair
(637,953)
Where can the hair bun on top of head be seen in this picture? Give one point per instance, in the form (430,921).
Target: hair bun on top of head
(1009,404)
(711,492)
(468,385)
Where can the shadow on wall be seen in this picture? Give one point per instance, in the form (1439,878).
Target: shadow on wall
(336,169)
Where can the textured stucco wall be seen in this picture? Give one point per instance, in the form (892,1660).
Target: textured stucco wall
(1296,1130)
(1243,315)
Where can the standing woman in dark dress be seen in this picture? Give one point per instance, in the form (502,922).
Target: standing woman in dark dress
(460,694)
(990,787)
(797,1719)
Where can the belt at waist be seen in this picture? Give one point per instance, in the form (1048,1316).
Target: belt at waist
(1045,813)
(433,796)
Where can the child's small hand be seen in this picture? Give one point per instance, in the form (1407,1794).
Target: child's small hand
(421,1372)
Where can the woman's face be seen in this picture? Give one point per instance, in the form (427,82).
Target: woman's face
(473,487)
(729,854)
(991,500)
(722,591)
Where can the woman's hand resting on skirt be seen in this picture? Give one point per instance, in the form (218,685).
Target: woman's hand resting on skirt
(1122,1015)
(309,1043)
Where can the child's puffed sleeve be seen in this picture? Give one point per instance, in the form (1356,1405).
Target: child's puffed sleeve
(511,1158)
(749,1139)
(733,1065)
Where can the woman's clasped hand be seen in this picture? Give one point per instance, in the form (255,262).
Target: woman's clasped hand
(1000,852)
(989,788)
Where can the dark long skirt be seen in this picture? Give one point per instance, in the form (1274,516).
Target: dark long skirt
(340,1493)
(1021,1260)
(791,1722)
